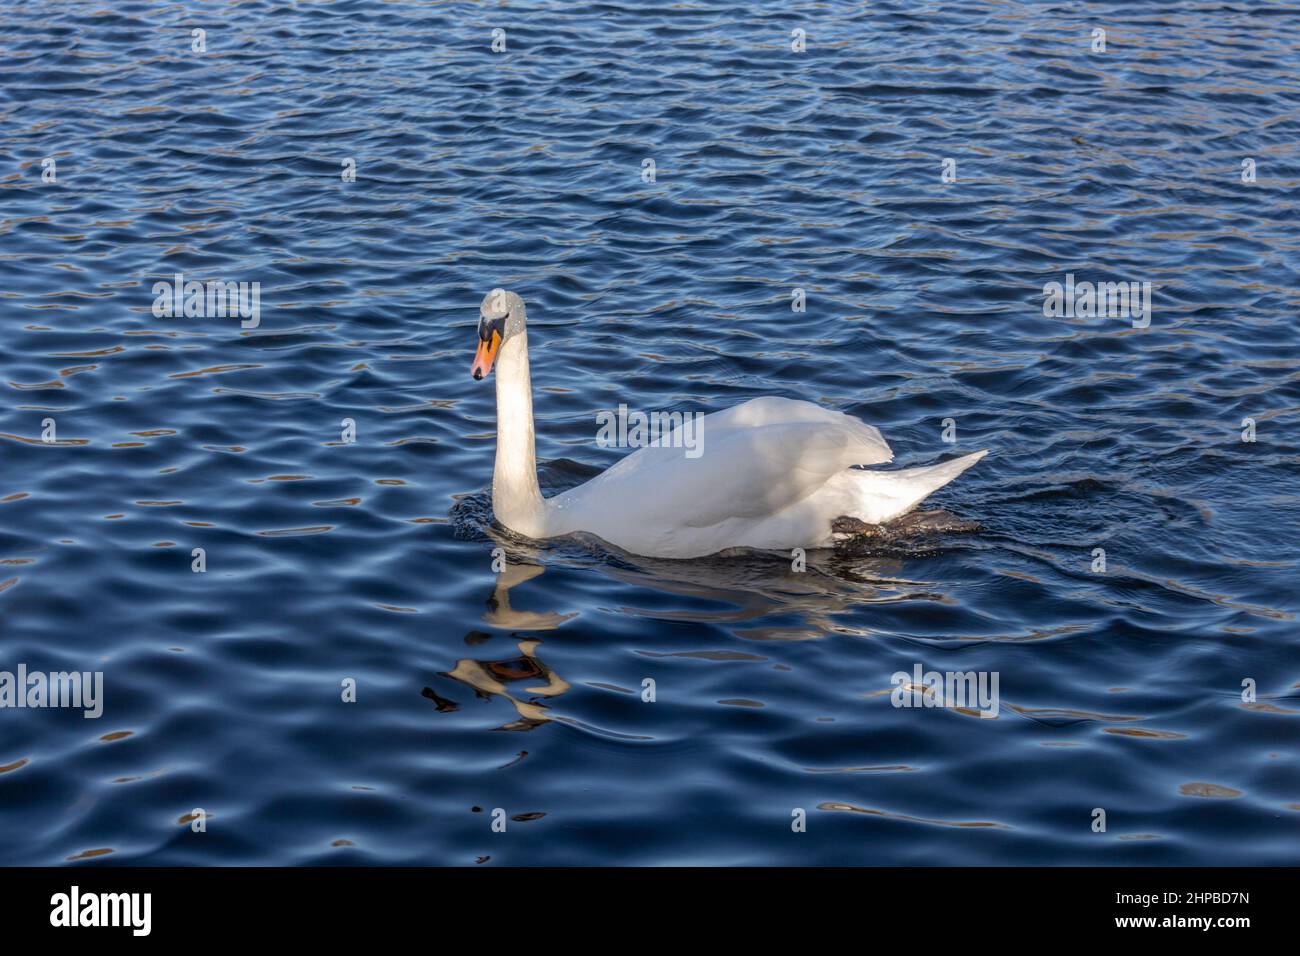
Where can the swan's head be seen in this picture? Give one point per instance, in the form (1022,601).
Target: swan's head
(500,317)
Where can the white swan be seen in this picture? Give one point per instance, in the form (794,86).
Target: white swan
(774,472)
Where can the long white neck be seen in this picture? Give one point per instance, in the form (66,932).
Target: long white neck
(516,497)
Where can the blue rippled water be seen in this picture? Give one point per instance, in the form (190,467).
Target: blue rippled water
(129,440)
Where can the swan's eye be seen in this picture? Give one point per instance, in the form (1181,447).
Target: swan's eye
(487,326)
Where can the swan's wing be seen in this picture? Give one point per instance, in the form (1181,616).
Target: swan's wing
(742,468)
(771,410)
(870,447)
(757,471)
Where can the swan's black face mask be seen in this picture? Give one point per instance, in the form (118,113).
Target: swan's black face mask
(490,334)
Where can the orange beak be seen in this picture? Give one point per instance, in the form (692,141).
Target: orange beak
(485,356)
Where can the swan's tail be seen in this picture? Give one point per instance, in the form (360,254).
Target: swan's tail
(885,495)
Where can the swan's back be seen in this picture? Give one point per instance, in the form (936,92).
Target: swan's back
(756,460)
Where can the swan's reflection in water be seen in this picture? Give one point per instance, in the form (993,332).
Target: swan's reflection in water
(743,586)
(515,678)
(751,587)
(727,589)
(496,678)
(501,615)
(733,587)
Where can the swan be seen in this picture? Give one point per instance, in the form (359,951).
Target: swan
(775,473)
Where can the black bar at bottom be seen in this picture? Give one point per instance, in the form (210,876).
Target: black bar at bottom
(336,905)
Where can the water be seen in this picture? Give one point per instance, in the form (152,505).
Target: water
(372,560)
